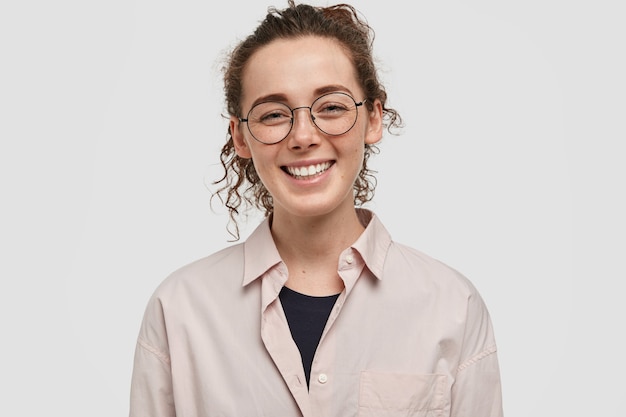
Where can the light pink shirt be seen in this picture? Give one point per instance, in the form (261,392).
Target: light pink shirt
(408,336)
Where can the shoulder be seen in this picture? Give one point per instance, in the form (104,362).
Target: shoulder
(405,266)
(222,268)
(446,291)
(425,271)
(186,294)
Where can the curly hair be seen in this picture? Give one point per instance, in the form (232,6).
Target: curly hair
(240,186)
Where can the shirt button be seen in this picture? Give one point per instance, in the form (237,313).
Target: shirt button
(349,259)
(322,378)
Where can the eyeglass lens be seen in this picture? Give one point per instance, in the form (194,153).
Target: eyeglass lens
(334,114)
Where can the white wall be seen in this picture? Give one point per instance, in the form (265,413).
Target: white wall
(510,169)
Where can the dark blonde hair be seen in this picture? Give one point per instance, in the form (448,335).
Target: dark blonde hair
(240,184)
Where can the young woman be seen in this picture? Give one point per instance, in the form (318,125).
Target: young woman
(319,313)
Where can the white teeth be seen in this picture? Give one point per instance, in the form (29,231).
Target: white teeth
(308,171)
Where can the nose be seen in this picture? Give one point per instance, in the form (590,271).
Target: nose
(303,133)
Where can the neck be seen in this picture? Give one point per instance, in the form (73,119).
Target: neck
(310,247)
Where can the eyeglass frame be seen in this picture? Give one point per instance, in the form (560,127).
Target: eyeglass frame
(293,116)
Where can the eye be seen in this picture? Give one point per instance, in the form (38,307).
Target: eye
(270,114)
(330,108)
(334,105)
(274,117)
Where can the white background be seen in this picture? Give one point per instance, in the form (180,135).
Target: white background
(510,169)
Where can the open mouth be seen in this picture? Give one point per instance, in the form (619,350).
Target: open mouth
(309,171)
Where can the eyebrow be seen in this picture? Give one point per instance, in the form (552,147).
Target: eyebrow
(332,88)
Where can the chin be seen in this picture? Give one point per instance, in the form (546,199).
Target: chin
(316,208)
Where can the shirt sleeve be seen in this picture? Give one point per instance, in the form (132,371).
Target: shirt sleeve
(477,388)
(151,393)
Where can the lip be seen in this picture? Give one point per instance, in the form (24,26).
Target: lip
(321,165)
(299,164)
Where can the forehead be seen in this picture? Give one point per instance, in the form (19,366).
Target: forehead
(296,69)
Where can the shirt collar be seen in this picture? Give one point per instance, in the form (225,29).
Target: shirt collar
(260,253)
(373,243)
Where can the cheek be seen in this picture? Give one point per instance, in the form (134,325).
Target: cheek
(261,164)
(358,153)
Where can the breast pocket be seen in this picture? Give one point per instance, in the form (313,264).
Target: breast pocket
(394,395)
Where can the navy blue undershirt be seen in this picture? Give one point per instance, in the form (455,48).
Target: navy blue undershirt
(307,317)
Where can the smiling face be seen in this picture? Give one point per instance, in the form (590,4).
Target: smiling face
(309,173)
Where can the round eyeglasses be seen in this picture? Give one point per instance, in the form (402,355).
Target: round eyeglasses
(334,114)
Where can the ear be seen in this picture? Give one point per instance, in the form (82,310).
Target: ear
(241,146)
(375,124)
